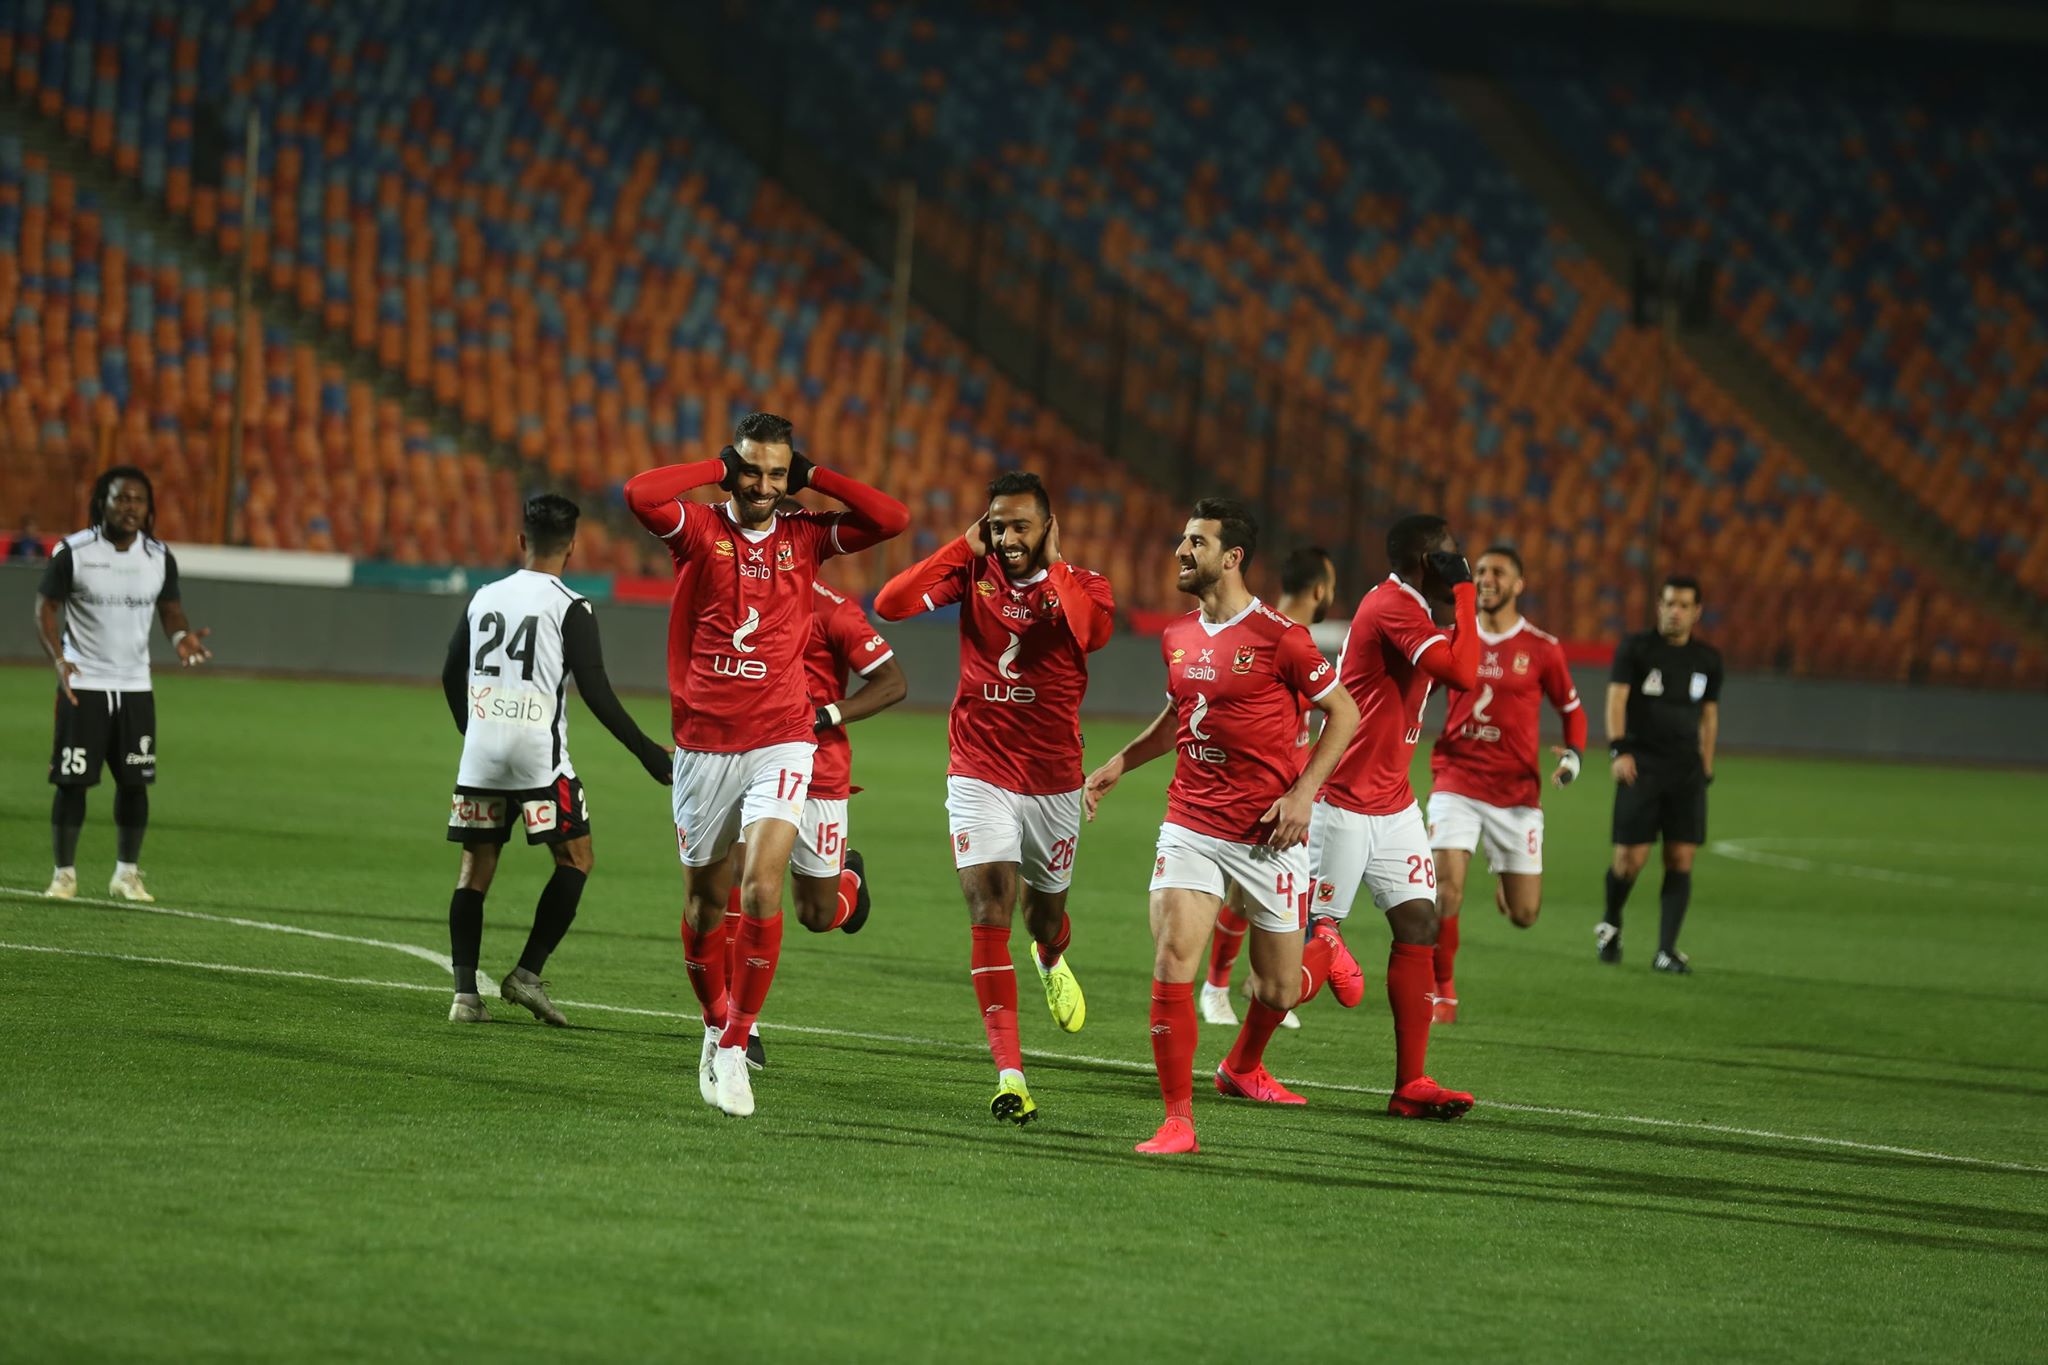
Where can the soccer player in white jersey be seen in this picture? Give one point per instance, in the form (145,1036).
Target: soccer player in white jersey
(98,593)
(519,642)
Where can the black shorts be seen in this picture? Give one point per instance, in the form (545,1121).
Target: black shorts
(1673,805)
(552,815)
(114,729)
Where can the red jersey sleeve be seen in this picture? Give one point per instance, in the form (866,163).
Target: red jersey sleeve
(854,640)
(1457,664)
(1088,603)
(1302,666)
(656,498)
(871,516)
(928,584)
(1564,695)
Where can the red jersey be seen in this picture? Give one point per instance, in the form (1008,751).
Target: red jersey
(1237,688)
(1388,634)
(1489,749)
(1024,647)
(842,642)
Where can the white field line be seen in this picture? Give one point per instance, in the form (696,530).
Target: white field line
(1079,1059)
(1757,851)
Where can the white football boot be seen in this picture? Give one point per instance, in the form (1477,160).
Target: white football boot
(735,1087)
(63,884)
(128,886)
(468,1010)
(1216,1006)
(707,1071)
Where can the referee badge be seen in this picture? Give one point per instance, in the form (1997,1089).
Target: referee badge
(1653,685)
(1697,688)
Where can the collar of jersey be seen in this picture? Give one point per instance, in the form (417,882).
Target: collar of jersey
(1213,631)
(1490,638)
(732,514)
(1420,600)
(1016,583)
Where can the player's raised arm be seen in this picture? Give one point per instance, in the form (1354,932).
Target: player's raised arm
(50,595)
(1154,740)
(871,516)
(455,674)
(583,656)
(932,582)
(656,497)
(1455,662)
(1087,602)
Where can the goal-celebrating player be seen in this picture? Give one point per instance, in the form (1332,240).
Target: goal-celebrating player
(1237,810)
(93,609)
(1028,622)
(1308,582)
(739,623)
(1367,828)
(1486,769)
(827,874)
(519,641)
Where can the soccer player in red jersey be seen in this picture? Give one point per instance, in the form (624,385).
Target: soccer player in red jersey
(1367,827)
(827,873)
(1486,769)
(739,624)
(1028,622)
(1308,582)
(1237,810)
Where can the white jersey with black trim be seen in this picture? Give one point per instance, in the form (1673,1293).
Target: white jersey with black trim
(110,599)
(517,735)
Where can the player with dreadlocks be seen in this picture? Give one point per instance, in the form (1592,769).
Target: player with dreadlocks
(97,596)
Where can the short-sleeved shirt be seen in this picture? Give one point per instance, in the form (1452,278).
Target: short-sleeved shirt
(1667,687)
(1237,688)
(843,642)
(110,599)
(1389,632)
(1491,748)
(739,623)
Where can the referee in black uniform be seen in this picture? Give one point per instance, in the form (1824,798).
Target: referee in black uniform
(1663,714)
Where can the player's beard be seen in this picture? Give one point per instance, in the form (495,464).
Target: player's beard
(1195,580)
(1022,568)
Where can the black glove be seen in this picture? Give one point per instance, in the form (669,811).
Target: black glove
(655,759)
(1450,568)
(821,719)
(800,468)
(730,458)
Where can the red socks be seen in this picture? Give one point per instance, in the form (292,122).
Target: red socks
(759,949)
(1446,954)
(1173,1045)
(1316,956)
(733,916)
(995,989)
(704,959)
(849,896)
(1225,944)
(1049,953)
(1249,1051)
(1411,980)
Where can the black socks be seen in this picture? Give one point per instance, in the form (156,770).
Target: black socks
(1673,899)
(551,917)
(131,822)
(67,818)
(465,937)
(1617,896)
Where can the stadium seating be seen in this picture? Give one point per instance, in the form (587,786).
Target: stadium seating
(1312,200)
(1879,232)
(531,231)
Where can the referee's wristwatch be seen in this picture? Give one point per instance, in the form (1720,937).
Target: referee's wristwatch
(1624,745)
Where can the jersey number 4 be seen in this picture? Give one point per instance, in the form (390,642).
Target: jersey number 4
(519,648)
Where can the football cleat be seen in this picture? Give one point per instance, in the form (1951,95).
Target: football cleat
(1216,1006)
(533,995)
(1677,963)
(1347,980)
(468,1010)
(1290,1020)
(757,1056)
(1443,1009)
(63,884)
(128,886)
(707,1074)
(735,1092)
(1608,936)
(1257,1084)
(858,866)
(1062,993)
(1423,1098)
(1175,1136)
(1013,1103)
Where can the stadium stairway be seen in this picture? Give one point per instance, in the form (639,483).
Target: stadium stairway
(275,308)
(1516,136)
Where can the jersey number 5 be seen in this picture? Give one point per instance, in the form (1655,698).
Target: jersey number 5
(519,648)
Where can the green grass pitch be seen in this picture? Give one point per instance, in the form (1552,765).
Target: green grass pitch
(220,1140)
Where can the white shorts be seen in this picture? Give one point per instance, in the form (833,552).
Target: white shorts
(1511,835)
(718,796)
(820,840)
(1275,880)
(1387,853)
(992,824)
